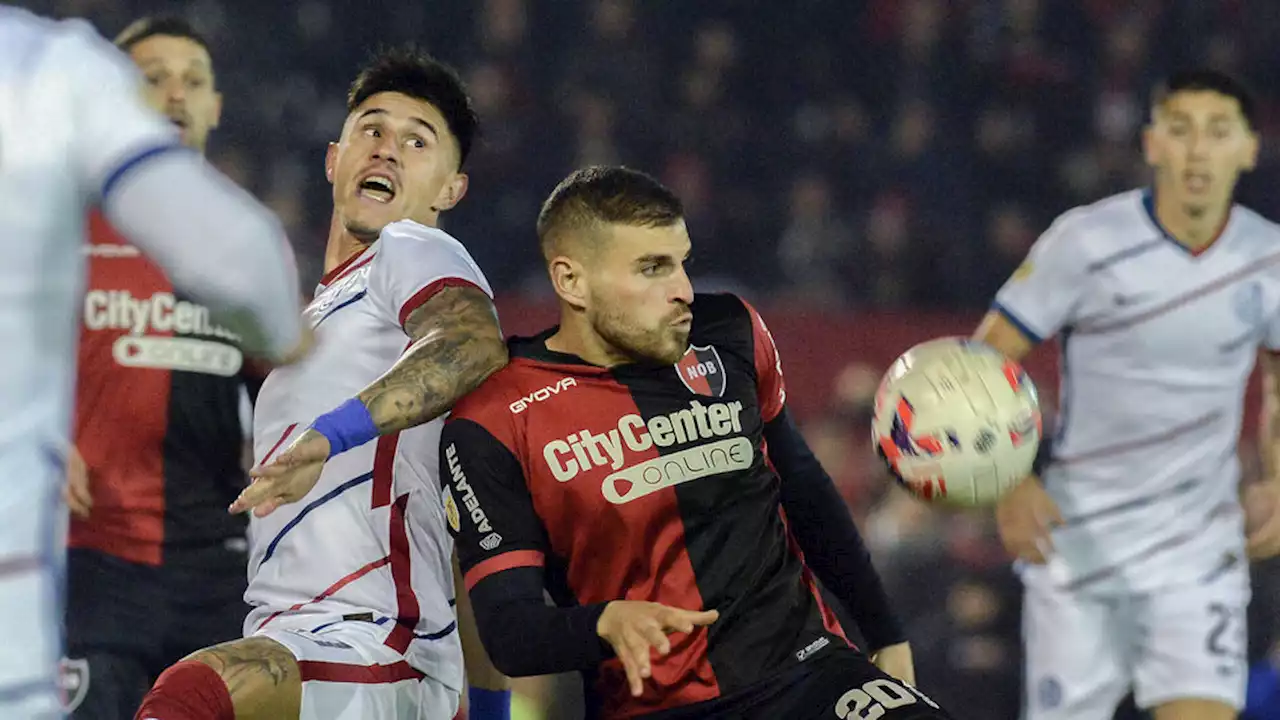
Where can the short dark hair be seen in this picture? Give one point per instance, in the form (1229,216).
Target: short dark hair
(605,195)
(410,71)
(1202,79)
(153,25)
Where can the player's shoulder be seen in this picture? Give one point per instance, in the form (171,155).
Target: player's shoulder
(416,232)
(1101,228)
(496,402)
(408,247)
(22,35)
(30,41)
(1256,228)
(717,315)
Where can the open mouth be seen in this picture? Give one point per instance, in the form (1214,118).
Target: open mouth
(377,188)
(1196,182)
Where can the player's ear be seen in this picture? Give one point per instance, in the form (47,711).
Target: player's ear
(1150,151)
(330,161)
(569,281)
(1250,152)
(452,193)
(217,111)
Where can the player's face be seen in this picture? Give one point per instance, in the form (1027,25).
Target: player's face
(1198,143)
(179,77)
(396,160)
(639,294)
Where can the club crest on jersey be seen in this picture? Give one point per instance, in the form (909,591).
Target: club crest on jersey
(702,371)
(73,682)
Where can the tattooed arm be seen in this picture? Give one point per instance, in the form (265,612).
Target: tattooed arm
(456,345)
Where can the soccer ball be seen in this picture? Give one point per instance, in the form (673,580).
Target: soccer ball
(957,422)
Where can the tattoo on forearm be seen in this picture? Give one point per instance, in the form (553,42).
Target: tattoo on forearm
(457,344)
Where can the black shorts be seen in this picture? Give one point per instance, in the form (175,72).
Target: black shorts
(839,683)
(126,622)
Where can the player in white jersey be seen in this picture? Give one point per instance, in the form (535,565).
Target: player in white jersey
(352,587)
(74,132)
(1131,543)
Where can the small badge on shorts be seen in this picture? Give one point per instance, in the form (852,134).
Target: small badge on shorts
(73,682)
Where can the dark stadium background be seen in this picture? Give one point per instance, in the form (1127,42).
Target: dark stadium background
(866,172)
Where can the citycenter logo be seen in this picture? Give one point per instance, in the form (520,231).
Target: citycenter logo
(721,423)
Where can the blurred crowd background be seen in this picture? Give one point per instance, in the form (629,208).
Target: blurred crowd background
(876,166)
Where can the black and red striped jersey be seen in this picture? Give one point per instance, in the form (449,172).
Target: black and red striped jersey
(157,415)
(643,482)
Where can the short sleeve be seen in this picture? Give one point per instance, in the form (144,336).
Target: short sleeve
(415,262)
(1044,292)
(771,388)
(1271,338)
(487,505)
(114,130)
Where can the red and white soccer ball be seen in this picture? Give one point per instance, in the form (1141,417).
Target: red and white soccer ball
(957,422)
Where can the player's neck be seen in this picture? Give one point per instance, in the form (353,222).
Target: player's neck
(341,246)
(575,337)
(1196,232)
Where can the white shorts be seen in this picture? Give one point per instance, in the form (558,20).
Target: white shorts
(32,560)
(1086,651)
(348,673)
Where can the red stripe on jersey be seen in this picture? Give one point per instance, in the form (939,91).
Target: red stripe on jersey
(318,671)
(384,460)
(21,564)
(266,458)
(829,619)
(505,561)
(770,387)
(402,575)
(345,581)
(345,267)
(422,296)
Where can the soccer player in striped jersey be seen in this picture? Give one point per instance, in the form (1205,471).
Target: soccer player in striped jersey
(1131,541)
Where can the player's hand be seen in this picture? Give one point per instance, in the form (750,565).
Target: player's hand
(895,661)
(76,491)
(287,478)
(1025,516)
(636,628)
(1262,519)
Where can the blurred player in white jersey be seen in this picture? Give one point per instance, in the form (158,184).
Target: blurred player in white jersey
(352,587)
(1131,542)
(74,133)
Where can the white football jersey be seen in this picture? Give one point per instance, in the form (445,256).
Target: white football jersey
(1157,347)
(70,119)
(370,538)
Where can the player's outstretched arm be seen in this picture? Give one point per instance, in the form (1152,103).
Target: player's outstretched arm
(456,344)
(214,241)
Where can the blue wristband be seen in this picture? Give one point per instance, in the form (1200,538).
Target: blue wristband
(346,426)
(489,704)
